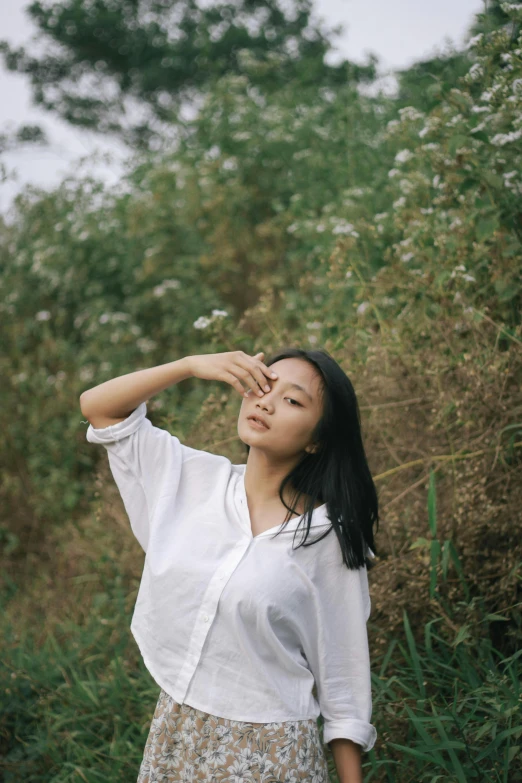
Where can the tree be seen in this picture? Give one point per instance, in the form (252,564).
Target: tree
(125,67)
(425,83)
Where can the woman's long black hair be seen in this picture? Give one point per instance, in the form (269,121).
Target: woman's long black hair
(337,473)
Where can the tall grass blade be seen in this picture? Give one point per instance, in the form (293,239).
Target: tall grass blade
(415,659)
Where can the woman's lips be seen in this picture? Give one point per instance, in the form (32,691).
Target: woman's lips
(257,424)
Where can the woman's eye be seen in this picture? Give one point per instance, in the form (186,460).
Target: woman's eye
(289,398)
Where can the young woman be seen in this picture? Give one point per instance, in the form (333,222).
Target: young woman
(234,623)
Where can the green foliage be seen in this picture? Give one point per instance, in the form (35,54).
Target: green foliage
(457,707)
(307,215)
(129,53)
(74,708)
(455,699)
(110,278)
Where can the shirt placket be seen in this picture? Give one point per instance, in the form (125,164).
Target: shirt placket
(209,605)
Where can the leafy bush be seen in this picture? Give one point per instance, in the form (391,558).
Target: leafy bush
(392,241)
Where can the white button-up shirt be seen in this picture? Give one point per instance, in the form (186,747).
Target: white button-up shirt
(237,625)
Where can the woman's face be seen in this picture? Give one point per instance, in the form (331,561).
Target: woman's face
(291,413)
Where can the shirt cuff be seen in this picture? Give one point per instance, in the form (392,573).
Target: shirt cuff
(120,430)
(358,731)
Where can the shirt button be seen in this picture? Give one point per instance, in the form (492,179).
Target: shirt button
(206,618)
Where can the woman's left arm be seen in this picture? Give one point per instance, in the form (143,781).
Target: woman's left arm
(347,757)
(335,643)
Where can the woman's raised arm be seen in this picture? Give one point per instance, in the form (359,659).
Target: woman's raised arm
(112,401)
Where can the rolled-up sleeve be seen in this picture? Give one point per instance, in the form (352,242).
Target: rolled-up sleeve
(146,463)
(336,646)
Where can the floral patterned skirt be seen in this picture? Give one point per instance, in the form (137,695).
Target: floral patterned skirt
(186,744)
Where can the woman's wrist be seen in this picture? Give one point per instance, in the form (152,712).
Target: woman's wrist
(347,757)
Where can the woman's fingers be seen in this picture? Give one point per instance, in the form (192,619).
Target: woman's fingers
(233,381)
(249,376)
(251,371)
(262,372)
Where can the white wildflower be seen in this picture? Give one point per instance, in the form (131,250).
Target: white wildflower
(454,120)
(475,72)
(393,172)
(219,313)
(475,40)
(43,315)
(507,7)
(400,202)
(320,227)
(342,228)
(411,113)
(300,154)
(202,322)
(145,345)
(314,325)
(456,222)
(363,307)
(162,287)
(403,155)
(407,257)
(505,138)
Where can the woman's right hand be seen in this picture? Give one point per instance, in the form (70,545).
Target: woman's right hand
(233,367)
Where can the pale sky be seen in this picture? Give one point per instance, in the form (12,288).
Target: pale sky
(399,32)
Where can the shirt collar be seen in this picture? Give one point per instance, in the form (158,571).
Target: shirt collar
(319,515)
